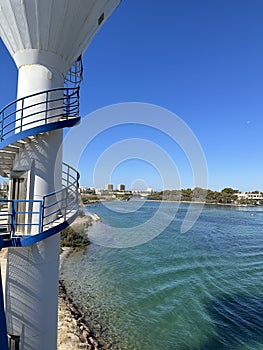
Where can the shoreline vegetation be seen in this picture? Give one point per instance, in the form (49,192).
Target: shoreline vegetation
(74,236)
(228,196)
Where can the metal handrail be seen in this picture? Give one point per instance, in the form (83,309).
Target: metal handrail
(15,117)
(11,215)
(48,211)
(61,203)
(74,76)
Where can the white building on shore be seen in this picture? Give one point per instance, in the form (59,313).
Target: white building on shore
(250,195)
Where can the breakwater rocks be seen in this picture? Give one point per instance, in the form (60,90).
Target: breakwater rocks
(73,332)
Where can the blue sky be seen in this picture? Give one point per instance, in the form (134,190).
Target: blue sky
(202,60)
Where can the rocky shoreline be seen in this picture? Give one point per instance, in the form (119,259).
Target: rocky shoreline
(73,331)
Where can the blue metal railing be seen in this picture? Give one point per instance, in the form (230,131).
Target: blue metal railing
(26,217)
(57,103)
(12,218)
(75,75)
(64,202)
(18,224)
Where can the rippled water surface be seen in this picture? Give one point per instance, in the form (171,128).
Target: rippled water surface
(199,290)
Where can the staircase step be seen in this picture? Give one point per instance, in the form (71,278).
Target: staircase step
(19,143)
(7,155)
(11,148)
(4,163)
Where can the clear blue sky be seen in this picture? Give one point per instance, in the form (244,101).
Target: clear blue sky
(202,60)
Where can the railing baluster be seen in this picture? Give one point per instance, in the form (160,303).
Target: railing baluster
(13,218)
(2,125)
(77,102)
(68,104)
(40,217)
(46,107)
(22,114)
(67,187)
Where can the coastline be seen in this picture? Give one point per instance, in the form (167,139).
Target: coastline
(73,329)
(180,201)
(203,203)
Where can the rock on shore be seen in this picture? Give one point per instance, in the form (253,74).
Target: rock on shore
(73,332)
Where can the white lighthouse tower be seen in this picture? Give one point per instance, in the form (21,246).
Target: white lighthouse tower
(45,38)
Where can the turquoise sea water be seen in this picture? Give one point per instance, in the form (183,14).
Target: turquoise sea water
(199,290)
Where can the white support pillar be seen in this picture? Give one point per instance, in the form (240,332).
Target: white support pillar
(34,79)
(33,272)
(32,294)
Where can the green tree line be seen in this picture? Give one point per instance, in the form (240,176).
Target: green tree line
(227,196)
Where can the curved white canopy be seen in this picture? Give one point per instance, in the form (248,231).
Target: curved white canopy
(53,32)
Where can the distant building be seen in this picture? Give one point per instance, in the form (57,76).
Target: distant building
(86,190)
(250,195)
(109,187)
(142,193)
(121,187)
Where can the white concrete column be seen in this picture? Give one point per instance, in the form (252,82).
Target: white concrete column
(31,112)
(32,294)
(33,272)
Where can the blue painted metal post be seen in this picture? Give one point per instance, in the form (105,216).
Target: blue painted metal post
(2,126)
(13,218)
(3,330)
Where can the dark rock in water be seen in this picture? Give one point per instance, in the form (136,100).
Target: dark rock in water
(94,342)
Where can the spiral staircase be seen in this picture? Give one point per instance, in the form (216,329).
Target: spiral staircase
(25,222)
